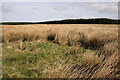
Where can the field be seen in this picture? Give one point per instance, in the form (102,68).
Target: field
(60,51)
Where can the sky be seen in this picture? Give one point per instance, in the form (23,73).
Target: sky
(45,11)
(59,0)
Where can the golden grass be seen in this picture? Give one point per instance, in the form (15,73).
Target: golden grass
(87,35)
(91,36)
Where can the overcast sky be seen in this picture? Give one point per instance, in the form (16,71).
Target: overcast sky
(44,11)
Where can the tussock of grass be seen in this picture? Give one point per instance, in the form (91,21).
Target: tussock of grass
(93,38)
(34,50)
(37,63)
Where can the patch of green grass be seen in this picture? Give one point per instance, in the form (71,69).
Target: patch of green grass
(24,63)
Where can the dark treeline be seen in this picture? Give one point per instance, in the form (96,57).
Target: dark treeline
(70,21)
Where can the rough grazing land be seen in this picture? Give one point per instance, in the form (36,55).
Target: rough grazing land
(60,51)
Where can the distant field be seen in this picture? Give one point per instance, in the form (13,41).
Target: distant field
(60,51)
(41,31)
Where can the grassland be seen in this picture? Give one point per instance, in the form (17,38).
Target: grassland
(60,51)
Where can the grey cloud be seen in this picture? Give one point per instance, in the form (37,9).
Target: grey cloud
(104,7)
(68,15)
(60,8)
(34,8)
(6,9)
(0,8)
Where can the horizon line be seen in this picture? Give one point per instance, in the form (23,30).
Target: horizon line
(60,20)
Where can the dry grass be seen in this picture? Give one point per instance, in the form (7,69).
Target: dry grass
(89,36)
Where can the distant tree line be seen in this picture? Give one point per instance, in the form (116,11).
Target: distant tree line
(70,21)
